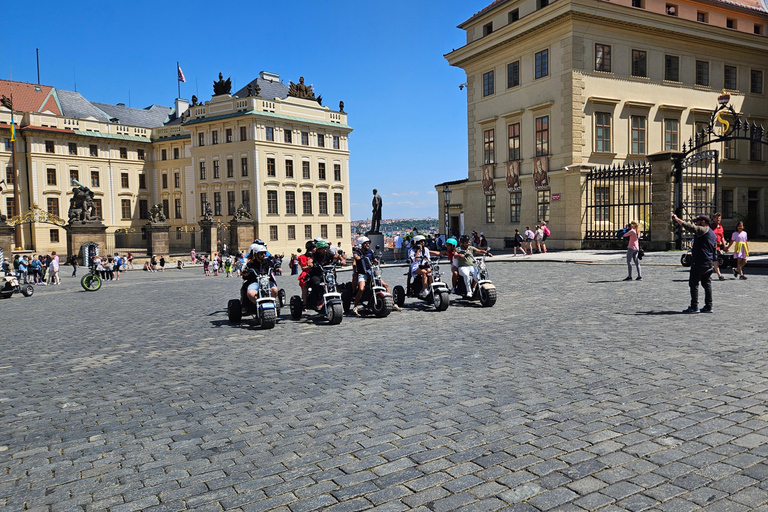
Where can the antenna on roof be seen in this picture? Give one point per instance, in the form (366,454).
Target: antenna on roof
(37,52)
(74,74)
(129,98)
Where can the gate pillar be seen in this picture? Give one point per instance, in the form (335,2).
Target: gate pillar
(157,239)
(80,234)
(241,234)
(663,199)
(6,239)
(207,237)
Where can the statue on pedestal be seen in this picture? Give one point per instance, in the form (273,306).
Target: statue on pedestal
(207,212)
(156,215)
(82,206)
(301,91)
(376,217)
(242,213)
(222,86)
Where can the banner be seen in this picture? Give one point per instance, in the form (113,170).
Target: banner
(540,172)
(489,188)
(513,176)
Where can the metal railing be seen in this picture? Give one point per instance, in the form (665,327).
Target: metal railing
(615,196)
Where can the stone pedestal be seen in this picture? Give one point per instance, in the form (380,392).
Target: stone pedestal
(241,234)
(157,239)
(662,200)
(6,241)
(376,239)
(207,237)
(86,240)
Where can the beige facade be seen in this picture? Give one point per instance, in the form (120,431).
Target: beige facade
(586,85)
(228,151)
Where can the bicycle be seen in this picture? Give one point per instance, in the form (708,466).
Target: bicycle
(91,282)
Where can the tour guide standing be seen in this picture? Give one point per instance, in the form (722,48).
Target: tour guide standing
(703,252)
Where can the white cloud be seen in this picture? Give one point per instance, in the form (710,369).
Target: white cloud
(407,193)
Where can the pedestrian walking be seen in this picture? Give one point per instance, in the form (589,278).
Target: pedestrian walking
(129,261)
(539,236)
(633,250)
(717,228)
(53,271)
(702,253)
(192,256)
(546,235)
(73,262)
(215,265)
(206,266)
(118,261)
(529,237)
(162,263)
(740,251)
(517,243)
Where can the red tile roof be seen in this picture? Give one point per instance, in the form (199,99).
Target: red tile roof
(27,97)
(494,4)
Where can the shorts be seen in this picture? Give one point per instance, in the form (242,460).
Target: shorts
(303,278)
(529,240)
(361,278)
(255,285)
(544,238)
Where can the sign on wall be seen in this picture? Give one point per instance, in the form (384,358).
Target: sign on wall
(541,172)
(513,176)
(489,188)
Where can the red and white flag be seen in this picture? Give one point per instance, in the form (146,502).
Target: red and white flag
(181,74)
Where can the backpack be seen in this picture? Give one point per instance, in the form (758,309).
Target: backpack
(620,233)
(519,238)
(546,230)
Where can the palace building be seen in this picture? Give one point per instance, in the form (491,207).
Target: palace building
(271,148)
(558,89)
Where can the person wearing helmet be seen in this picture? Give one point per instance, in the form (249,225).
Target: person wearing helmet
(321,257)
(305,262)
(420,266)
(258,263)
(465,261)
(449,252)
(363,258)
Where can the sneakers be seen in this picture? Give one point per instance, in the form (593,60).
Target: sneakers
(722,277)
(396,308)
(742,276)
(735,273)
(639,278)
(355,311)
(691,309)
(706,309)
(423,294)
(628,278)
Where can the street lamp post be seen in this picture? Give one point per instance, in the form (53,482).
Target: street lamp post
(447,202)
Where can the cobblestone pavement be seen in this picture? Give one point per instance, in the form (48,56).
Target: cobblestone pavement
(577,391)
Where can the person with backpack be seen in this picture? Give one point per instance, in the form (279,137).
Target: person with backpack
(546,233)
(517,242)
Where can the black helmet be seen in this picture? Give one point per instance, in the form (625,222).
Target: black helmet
(463,238)
(311,244)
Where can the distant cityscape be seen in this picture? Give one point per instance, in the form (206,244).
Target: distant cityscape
(393,227)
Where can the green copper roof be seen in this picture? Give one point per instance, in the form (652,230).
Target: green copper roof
(171,137)
(268,114)
(116,136)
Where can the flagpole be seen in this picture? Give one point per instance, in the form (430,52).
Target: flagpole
(178,82)
(16,177)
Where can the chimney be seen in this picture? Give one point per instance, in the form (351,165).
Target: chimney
(121,104)
(272,77)
(182,106)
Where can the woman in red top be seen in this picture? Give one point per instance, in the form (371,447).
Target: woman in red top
(717,228)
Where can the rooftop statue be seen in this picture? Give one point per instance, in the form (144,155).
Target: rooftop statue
(222,86)
(301,91)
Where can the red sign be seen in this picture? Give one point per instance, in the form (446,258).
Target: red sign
(555,197)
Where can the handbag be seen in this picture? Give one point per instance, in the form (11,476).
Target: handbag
(640,253)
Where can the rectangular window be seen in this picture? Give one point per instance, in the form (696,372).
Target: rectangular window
(758,29)
(727,204)
(243,133)
(729,77)
(755,150)
(513,74)
(490,208)
(142,181)
(94,149)
(50,174)
(321,171)
(125,209)
(228,135)
(487,28)
(140,153)
(201,139)
(289,168)
(338,207)
(729,149)
(603,58)
(542,64)
(203,201)
(291,232)
(177,208)
(217,204)
(177,180)
(272,202)
(98,211)
(245,199)
(639,64)
(324,231)
(322,203)
(320,140)
(304,138)
(602,132)
(672,68)
(307,231)
(123,153)
(244,166)
(54,235)
(730,23)
(515,204)
(756,82)
(306,203)
(290,202)
(488,153)
(202,171)
(543,202)
(701,16)
(230,168)
(602,202)
(542,136)
(216,171)
(305,169)
(273,233)
(214,137)
(337,172)
(702,73)
(166,208)
(72,148)
(74,174)
(231,204)
(514,141)
(271,168)
(488,83)
(513,16)
(175,154)
(10,207)
(638,135)
(540,4)
(53,205)
(49,147)
(339,231)
(143,209)
(335,142)
(95,179)
(270,133)
(124,180)
(287,136)
(671,134)
(165,180)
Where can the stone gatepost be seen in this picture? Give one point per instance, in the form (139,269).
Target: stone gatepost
(242,233)
(157,239)
(207,237)
(662,200)
(80,234)
(6,240)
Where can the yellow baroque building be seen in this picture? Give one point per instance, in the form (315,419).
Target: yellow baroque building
(284,157)
(573,85)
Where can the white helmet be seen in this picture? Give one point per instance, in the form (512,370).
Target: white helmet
(363,239)
(255,249)
(419,238)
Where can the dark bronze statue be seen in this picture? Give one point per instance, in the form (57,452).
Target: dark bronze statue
(341,106)
(6,101)
(156,215)
(194,100)
(242,213)
(258,90)
(376,217)
(300,90)
(222,86)
(249,90)
(82,207)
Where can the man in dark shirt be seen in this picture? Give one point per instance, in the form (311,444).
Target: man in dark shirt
(320,258)
(703,252)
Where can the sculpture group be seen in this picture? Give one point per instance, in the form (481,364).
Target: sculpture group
(82,207)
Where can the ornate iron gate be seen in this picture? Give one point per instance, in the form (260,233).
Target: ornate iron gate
(615,196)
(696,186)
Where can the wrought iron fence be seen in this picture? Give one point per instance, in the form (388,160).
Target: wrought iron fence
(616,195)
(180,242)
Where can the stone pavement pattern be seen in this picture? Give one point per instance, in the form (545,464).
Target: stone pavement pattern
(576,392)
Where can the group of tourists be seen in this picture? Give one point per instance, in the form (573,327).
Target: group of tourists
(35,269)
(531,239)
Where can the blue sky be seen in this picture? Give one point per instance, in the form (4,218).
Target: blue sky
(383,59)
